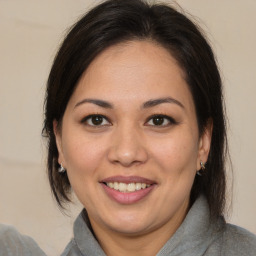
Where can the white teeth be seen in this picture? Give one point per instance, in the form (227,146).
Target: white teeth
(131,187)
(138,186)
(116,186)
(123,187)
(111,185)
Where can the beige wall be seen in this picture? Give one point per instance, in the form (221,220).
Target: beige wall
(30,32)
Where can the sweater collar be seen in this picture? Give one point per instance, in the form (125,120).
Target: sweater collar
(195,234)
(192,238)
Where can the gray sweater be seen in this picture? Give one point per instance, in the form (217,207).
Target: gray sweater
(195,237)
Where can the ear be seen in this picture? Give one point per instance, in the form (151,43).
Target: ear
(205,144)
(58,139)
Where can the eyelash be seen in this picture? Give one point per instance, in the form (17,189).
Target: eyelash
(171,121)
(85,120)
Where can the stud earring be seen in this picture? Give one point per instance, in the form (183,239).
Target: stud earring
(202,168)
(202,165)
(61,169)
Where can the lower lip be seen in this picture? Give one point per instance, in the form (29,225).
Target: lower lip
(129,197)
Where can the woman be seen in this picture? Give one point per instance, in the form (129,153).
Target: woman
(135,123)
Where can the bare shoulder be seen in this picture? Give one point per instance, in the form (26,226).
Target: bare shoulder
(13,243)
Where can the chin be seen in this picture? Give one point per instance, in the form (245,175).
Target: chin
(131,229)
(131,224)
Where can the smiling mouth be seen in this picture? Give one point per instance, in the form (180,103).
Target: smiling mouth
(127,188)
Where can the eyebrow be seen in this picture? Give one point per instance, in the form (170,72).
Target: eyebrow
(147,104)
(155,102)
(101,103)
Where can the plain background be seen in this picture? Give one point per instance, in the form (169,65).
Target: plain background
(30,32)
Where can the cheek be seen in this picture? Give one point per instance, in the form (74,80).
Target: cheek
(177,153)
(82,155)
(83,158)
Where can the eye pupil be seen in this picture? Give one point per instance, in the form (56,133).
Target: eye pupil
(158,120)
(97,120)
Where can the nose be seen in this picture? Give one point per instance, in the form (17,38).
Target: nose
(127,147)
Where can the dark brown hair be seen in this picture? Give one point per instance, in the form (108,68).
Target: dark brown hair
(116,21)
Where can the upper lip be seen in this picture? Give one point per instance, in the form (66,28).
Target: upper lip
(128,179)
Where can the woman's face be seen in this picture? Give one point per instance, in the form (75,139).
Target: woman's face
(129,140)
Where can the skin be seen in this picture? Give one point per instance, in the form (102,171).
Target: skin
(128,143)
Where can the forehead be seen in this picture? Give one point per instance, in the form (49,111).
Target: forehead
(137,71)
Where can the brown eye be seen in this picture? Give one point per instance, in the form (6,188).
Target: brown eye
(95,120)
(158,120)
